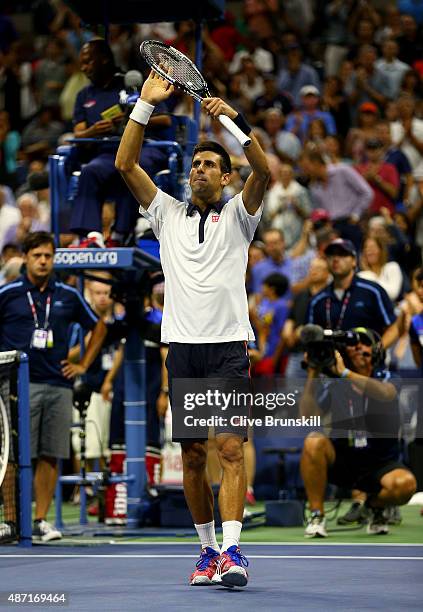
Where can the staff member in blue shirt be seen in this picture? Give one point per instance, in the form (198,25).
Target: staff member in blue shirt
(350,301)
(35,313)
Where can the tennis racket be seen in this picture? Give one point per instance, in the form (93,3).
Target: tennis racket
(184,74)
(4,441)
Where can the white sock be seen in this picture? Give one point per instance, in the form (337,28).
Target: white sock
(231,534)
(207,535)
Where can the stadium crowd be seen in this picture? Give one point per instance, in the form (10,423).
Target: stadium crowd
(334,93)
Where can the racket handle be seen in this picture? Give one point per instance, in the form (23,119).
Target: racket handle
(244,140)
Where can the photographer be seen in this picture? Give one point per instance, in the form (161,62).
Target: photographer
(349,300)
(364,406)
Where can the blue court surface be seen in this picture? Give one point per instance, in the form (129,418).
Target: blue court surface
(282,577)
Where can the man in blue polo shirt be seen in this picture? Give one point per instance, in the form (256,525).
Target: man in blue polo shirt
(350,301)
(35,313)
(97,114)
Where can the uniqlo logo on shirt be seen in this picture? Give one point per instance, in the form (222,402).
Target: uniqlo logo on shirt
(215,218)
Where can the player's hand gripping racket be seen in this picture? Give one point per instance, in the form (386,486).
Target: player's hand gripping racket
(181,72)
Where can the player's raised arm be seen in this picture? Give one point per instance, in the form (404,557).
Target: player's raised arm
(256,183)
(154,90)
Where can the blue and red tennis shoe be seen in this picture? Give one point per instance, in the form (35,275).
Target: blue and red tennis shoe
(206,567)
(231,570)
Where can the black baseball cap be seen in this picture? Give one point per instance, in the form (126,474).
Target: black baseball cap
(339,245)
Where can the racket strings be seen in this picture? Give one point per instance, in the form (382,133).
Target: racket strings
(181,70)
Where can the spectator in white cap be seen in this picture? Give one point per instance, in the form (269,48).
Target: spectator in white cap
(299,121)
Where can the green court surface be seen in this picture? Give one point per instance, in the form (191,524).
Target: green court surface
(410,531)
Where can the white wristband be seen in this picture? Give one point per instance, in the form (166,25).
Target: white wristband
(345,373)
(141,112)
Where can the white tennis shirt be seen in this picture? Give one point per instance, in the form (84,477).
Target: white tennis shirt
(205,297)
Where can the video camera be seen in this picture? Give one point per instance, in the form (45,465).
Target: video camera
(321,344)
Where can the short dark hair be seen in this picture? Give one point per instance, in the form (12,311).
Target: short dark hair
(215,147)
(418,275)
(36,239)
(102,49)
(278,282)
(10,246)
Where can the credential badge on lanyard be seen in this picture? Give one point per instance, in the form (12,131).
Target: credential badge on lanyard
(42,337)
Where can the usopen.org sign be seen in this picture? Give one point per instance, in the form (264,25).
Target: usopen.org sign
(93,258)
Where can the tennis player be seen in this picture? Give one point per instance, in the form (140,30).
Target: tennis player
(203,247)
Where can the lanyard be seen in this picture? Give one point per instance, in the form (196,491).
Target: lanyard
(34,311)
(344,306)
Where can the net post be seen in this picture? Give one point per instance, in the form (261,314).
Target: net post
(135,428)
(58,498)
(24,441)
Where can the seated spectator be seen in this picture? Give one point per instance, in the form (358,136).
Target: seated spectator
(362,459)
(30,221)
(287,204)
(299,122)
(284,144)
(409,324)
(276,260)
(363,28)
(10,253)
(42,133)
(256,253)
(368,115)
(391,67)
(270,98)
(411,84)
(367,83)
(50,73)
(336,35)
(410,320)
(407,133)
(335,102)
(9,216)
(10,141)
(268,320)
(262,59)
(383,227)
(295,74)
(339,190)
(410,42)
(225,35)
(393,155)
(331,149)
(412,253)
(251,85)
(76,80)
(316,134)
(382,177)
(235,96)
(11,270)
(391,28)
(374,266)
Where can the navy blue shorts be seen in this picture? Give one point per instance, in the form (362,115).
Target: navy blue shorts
(224,360)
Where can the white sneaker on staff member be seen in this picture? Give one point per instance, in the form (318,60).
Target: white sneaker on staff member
(45,532)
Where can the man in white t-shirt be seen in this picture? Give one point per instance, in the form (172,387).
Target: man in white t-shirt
(203,249)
